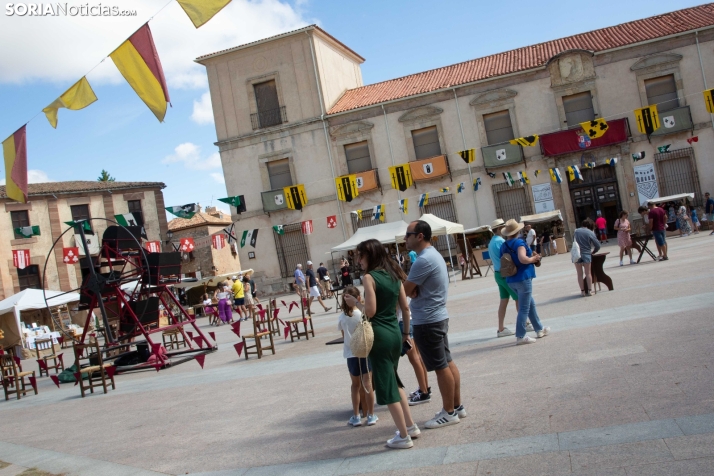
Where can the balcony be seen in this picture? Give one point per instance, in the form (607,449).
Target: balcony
(268,118)
(368,181)
(575,140)
(431,168)
(274,200)
(675,120)
(501,155)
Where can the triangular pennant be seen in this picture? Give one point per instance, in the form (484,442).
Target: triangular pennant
(200,358)
(468,155)
(55,380)
(238,347)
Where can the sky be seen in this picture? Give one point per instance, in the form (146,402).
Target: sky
(43,56)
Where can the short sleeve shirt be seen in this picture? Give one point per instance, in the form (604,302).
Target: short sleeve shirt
(601,223)
(348,324)
(237,289)
(322,272)
(429,273)
(494,251)
(531,237)
(299,277)
(311,278)
(525,271)
(412,256)
(658,217)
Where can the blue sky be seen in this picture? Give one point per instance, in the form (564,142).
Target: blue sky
(42,56)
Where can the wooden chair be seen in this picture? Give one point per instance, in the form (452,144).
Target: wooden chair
(257,337)
(96,370)
(176,339)
(13,376)
(43,360)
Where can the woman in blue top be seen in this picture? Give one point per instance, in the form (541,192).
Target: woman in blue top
(521,282)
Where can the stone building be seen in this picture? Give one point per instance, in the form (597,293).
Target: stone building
(49,205)
(205,259)
(291,109)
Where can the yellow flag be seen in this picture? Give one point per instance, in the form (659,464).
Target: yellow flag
(571,173)
(527,141)
(346,187)
(709,100)
(200,11)
(401,176)
(647,119)
(295,196)
(595,129)
(467,155)
(79,96)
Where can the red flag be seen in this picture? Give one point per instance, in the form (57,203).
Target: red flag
(77,376)
(190,334)
(238,347)
(55,380)
(286,331)
(306,227)
(70,255)
(200,358)
(693,139)
(199,341)
(42,364)
(332,221)
(33,382)
(111,371)
(213,336)
(153,246)
(187,245)
(219,241)
(21,258)
(15,154)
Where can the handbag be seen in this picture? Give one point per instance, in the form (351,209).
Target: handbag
(362,339)
(575,251)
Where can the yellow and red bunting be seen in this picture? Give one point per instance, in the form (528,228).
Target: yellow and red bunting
(79,96)
(138,61)
(200,11)
(14,150)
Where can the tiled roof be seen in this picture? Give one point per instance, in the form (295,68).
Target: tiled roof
(199,219)
(79,186)
(281,35)
(529,57)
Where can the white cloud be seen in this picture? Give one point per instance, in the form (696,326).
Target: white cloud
(189,154)
(33,176)
(218,178)
(202,110)
(63,48)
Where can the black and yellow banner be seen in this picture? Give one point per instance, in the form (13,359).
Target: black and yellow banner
(346,187)
(468,155)
(528,141)
(595,128)
(401,176)
(647,119)
(709,100)
(295,196)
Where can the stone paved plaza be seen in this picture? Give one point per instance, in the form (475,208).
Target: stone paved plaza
(622,386)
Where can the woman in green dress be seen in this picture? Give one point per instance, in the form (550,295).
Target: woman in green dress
(383,291)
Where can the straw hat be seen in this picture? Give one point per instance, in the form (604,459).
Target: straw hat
(497,222)
(512,227)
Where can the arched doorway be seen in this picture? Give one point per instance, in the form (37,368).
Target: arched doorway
(598,191)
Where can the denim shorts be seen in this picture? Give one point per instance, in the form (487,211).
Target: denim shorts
(659,237)
(355,365)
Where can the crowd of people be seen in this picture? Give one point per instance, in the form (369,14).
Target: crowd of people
(238,294)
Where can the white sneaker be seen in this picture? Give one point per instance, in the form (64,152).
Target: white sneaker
(529,326)
(621,263)
(442,419)
(461,411)
(414,431)
(399,442)
(355,421)
(525,340)
(505,332)
(543,332)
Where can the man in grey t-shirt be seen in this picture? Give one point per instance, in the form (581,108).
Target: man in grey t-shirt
(427,284)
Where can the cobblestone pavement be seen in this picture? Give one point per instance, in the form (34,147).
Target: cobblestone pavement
(622,386)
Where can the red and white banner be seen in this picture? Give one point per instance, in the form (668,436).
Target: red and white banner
(332,221)
(21,258)
(187,245)
(70,255)
(306,227)
(219,241)
(153,246)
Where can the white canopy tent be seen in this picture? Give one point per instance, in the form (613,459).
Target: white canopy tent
(385,233)
(11,308)
(672,198)
(478,229)
(541,217)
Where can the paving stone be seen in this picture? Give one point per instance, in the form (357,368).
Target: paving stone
(653,451)
(689,447)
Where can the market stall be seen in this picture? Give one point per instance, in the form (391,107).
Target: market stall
(439,227)
(553,222)
(473,243)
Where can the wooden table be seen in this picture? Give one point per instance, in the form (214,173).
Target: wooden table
(597,271)
(639,242)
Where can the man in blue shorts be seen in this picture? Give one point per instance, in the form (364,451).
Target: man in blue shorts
(658,224)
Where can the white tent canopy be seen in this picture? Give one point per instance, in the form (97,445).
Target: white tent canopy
(541,217)
(672,198)
(30,299)
(384,233)
(478,229)
(439,227)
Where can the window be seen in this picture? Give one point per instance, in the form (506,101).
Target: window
(498,127)
(663,92)
(135,209)
(29,278)
(358,159)
(279,173)
(511,202)
(81,212)
(266,98)
(677,173)
(426,143)
(20,219)
(578,108)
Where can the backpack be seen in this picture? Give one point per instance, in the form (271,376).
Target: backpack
(508,265)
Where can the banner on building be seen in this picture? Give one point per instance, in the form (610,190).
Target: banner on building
(346,186)
(70,255)
(647,119)
(187,245)
(306,227)
(153,246)
(332,221)
(646,180)
(295,196)
(543,198)
(401,177)
(21,258)
(219,241)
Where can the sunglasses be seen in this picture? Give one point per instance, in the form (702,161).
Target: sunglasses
(411,233)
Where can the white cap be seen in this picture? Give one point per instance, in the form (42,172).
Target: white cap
(309,263)
(234,278)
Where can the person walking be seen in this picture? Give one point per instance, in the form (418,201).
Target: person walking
(622,225)
(657,218)
(383,289)
(589,244)
(522,282)
(360,369)
(545,242)
(683,222)
(300,280)
(709,210)
(530,237)
(504,290)
(239,297)
(223,295)
(427,285)
(695,219)
(601,225)
(324,281)
(314,289)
